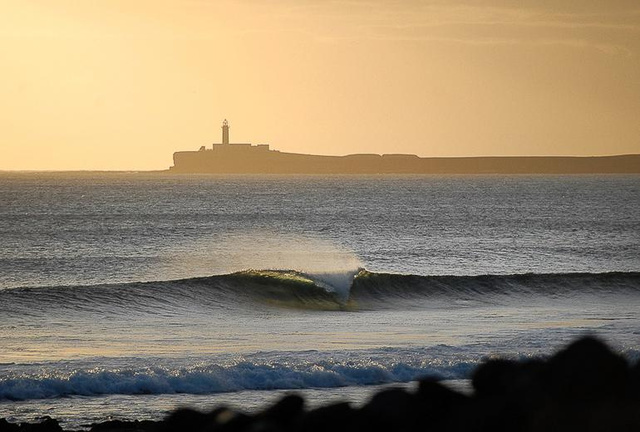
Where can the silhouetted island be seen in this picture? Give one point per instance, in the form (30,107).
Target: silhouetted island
(245,158)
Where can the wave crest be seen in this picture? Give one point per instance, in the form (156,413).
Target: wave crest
(245,375)
(345,290)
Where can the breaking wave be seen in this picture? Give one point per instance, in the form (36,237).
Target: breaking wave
(287,371)
(347,290)
(262,371)
(215,380)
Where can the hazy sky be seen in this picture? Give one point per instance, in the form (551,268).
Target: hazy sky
(124,84)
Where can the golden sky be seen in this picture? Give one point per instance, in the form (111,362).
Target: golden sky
(123,84)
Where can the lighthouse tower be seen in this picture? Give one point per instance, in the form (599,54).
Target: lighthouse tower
(225,132)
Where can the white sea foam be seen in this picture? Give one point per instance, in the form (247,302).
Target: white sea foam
(244,375)
(336,282)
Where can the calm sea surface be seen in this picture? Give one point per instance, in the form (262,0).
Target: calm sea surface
(124,295)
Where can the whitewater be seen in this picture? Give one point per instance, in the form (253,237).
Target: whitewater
(126,295)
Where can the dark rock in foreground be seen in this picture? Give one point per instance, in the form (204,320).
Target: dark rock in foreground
(584,387)
(46,425)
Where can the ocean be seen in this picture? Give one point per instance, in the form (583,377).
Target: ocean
(127,295)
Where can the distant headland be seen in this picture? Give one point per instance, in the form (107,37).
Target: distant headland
(245,158)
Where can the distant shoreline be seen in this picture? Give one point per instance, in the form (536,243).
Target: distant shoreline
(373,164)
(229,159)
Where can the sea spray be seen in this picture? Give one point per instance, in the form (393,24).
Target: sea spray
(260,250)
